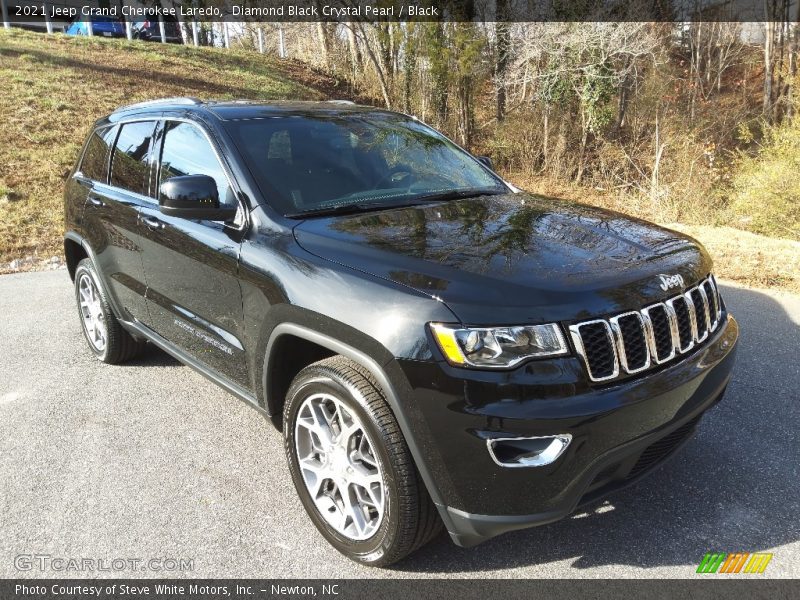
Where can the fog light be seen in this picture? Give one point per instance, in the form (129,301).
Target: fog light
(528,451)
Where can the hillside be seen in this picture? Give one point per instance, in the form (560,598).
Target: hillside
(54,87)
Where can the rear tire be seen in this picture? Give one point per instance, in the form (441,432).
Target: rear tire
(351,466)
(107,339)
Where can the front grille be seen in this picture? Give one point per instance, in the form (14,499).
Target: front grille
(635,341)
(598,346)
(683,316)
(661,449)
(701,312)
(711,294)
(661,328)
(630,334)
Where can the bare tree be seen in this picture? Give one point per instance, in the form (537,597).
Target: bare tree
(714,48)
(582,63)
(364,40)
(502,32)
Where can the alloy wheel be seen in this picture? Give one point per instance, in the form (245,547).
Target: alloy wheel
(339,467)
(92,312)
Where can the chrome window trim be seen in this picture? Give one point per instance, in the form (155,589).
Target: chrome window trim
(577,340)
(623,356)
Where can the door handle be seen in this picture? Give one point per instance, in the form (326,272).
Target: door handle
(152,223)
(96,201)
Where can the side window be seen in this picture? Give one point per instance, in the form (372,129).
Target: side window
(95,159)
(130,164)
(187,151)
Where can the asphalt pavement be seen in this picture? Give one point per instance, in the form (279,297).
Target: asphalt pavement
(151,461)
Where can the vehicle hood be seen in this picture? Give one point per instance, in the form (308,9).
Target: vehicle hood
(514,258)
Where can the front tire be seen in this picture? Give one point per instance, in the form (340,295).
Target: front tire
(106,338)
(351,466)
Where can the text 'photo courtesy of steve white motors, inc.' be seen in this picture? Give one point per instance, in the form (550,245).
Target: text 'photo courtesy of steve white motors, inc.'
(145,589)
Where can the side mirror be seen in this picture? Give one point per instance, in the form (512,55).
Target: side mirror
(487,162)
(193,197)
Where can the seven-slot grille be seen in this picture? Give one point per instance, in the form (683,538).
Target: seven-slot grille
(635,341)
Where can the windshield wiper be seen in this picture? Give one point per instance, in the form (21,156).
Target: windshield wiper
(457,194)
(344,209)
(359,207)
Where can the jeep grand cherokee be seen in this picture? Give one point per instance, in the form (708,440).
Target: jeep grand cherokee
(438,347)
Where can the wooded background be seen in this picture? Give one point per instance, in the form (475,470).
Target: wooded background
(691,121)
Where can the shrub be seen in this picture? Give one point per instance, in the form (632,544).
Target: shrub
(765,188)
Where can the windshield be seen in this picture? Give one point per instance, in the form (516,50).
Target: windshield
(323,162)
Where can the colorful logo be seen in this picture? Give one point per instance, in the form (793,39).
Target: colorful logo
(739,562)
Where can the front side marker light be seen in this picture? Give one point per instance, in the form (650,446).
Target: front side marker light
(446,339)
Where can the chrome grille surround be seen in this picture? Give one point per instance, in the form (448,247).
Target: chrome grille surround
(651,336)
(577,339)
(703,316)
(687,304)
(620,342)
(705,294)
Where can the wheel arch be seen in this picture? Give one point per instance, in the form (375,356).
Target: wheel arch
(291,346)
(74,252)
(287,354)
(334,346)
(76,248)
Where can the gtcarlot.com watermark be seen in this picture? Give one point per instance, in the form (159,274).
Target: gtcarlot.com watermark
(83,564)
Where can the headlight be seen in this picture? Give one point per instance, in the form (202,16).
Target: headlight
(499,347)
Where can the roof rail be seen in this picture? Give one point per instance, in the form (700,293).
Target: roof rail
(349,102)
(146,103)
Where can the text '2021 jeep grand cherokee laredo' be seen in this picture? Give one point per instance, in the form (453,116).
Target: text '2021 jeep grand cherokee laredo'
(438,347)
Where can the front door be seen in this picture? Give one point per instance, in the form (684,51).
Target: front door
(193,293)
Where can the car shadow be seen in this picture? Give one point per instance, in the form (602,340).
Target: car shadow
(152,356)
(734,487)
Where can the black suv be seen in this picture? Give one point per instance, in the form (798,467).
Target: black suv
(438,347)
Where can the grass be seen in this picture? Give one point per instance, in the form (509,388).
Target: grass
(56,86)
(744,257)
(749,258)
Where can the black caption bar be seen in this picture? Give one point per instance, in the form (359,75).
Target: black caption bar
(438,589)
(60,12)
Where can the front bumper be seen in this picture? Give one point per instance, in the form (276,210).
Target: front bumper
(619,432)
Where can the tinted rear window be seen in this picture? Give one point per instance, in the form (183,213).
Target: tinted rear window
(130,164)
(95,159)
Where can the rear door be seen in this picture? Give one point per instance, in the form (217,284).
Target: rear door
(112,212)
(193,294)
